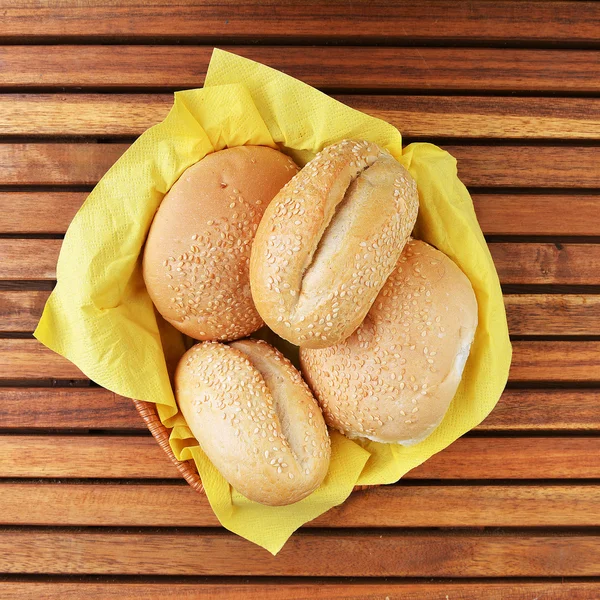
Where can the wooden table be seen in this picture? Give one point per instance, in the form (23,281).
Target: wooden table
(511,510)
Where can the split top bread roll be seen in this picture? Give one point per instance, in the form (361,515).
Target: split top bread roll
(394,378)
(196,259)
(255,419)
(329,240)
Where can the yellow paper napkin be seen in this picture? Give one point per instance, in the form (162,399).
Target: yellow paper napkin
(101,318)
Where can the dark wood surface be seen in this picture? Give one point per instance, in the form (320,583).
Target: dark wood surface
(91,507)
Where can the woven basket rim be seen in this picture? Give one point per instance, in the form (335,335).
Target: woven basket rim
(161,434)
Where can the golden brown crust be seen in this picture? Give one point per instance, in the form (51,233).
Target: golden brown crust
(196,259)
(255,419)
(394,378)
(329,240)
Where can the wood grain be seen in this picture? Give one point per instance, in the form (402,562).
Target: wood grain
(280,589)
(498,214)
(516,263)
(309,20)
(537,410)
(38,212)
(537,214)
(527,166)
(527,314)
(551,314)
(527,263)
(29,259)
(66,408)
(455,554)
(20,311)
(532,361)
(29,359)
(437,117)
(97,408)
(118,505)
(56,164)
(327,67)
(85,456)
(555,361)
(130,457)
(493,165)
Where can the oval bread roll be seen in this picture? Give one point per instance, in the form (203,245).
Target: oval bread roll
(255,419)
(196,259)
(394,378)
(329,240)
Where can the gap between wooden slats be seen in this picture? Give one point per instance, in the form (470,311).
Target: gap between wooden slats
(565,214)
(465,21)
(310,589)
(421,70)
(536,410)
(516,262)
(307,553)
(432,117)
(135,457)
(528,314)
(491,165)
(121,505)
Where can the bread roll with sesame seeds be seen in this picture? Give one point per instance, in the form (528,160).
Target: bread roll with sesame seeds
(255,419)
(393,379)
(329,240)
(198,248)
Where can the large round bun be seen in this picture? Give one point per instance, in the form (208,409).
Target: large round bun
(394,378)
(329,240)
(255,419)
(198,248)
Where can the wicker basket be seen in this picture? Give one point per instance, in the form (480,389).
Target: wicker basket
(161,435)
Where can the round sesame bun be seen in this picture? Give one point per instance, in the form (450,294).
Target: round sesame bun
(198,248)
(329,240)
(394,378)
(255,419)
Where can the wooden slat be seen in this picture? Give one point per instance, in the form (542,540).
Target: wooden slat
(492,165)
(306,554)
(382,507)
(97,408)
(534,314)
(56,164)
(38,212)
(537,410)
(66,408)
(279,589)
(328,67)
(527,166)
(463,21)
(415,116)
(555,361)
(527,263)
(498,214)
(484,117)
(28,259)
(84,456)
(551,314)
(504,458)
(517,263)
(28,359)
(519,214)
(20,311)
(124,457)
(532,361)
